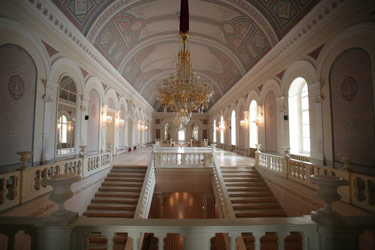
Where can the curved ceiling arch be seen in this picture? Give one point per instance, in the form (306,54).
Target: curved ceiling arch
(228,36)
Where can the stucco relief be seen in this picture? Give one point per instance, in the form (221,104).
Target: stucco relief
(352,107)
(93,124)
(17,101)
(270,122)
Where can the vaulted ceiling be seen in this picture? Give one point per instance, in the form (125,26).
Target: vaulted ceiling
(140,37)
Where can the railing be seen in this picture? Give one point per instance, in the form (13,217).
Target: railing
(183,157)
(24,185)
(220,192)
(147,192)
(96,163)
(360,192)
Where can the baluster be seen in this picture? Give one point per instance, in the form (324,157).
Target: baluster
(134,237)
(3,191)
(109,236)
(160,237)
(39,179)
(257,236)
(233,240)
(281,239)
(14,187)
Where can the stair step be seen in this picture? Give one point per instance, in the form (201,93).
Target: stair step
(120,184)
(111,206)
(109,214)
(244,180)
(253,199)
(246,184)
(251,194)
(259,205)
(127,175)
(108,194)
(248,188)
(115,179)
(242,175)
(259,213)
(118,200)
(120,189)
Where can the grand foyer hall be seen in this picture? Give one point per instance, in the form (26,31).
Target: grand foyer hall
(291,123)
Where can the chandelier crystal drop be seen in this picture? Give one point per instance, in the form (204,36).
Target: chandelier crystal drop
(184,92)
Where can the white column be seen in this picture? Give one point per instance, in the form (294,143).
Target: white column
(281,239)
(282,132)
(109,236)
(257,236)
(49,126)
(316,122)
(134,237)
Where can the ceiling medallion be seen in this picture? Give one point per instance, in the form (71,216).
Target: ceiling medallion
(184,92)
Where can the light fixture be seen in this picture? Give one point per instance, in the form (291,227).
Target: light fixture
(259,119)
(245,122)
(107,119)
(184,92)
(221,126)
(141,126)
(120,122)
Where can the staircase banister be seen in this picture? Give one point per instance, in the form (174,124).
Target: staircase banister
(228,210)
(147,192)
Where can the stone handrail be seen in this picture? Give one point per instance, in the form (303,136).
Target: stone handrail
(196,233)
(183,157)
(96,163)
(357,193)
(24,185)
(147,192)
(220,192)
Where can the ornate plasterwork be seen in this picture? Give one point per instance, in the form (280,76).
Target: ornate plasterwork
(248,29)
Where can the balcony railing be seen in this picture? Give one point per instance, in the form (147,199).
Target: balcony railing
(183,157)
(360,191)
(24,185)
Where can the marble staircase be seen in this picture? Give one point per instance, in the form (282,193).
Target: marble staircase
(119,193)
(251,197)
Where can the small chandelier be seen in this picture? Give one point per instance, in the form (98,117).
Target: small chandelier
(184,92)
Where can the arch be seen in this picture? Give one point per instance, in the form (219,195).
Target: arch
(270,85)
(94,83)
(111,95)
(356,36)
(302,69)
(66,67)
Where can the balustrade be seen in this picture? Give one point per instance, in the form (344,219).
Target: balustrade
(26,184)
(183,157)
(360,192)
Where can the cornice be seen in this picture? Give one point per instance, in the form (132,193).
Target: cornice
(52,16)
(318,16)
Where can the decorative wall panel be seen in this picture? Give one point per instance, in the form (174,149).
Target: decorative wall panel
(353,107)
(270,122)
(93,125)
(122,129)
(17,102)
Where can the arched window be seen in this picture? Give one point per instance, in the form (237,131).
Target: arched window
(67,107)
(253,129)
(222,130)
(167,132)
(233,128)
(299,117)
(195,132)
(63,122)
(214,136)
(181,134)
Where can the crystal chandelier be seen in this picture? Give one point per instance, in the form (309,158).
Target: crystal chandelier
(184,92)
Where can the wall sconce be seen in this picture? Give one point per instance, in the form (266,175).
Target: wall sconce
(221,127)
(120,123)
(245,122)
(259,119)
(141,126)
(107,119)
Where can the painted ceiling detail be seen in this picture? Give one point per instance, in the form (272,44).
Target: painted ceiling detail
(139,37)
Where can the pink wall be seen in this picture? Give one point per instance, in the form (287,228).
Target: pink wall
(352,107)
(270,122)
(93,122)
(17,102)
